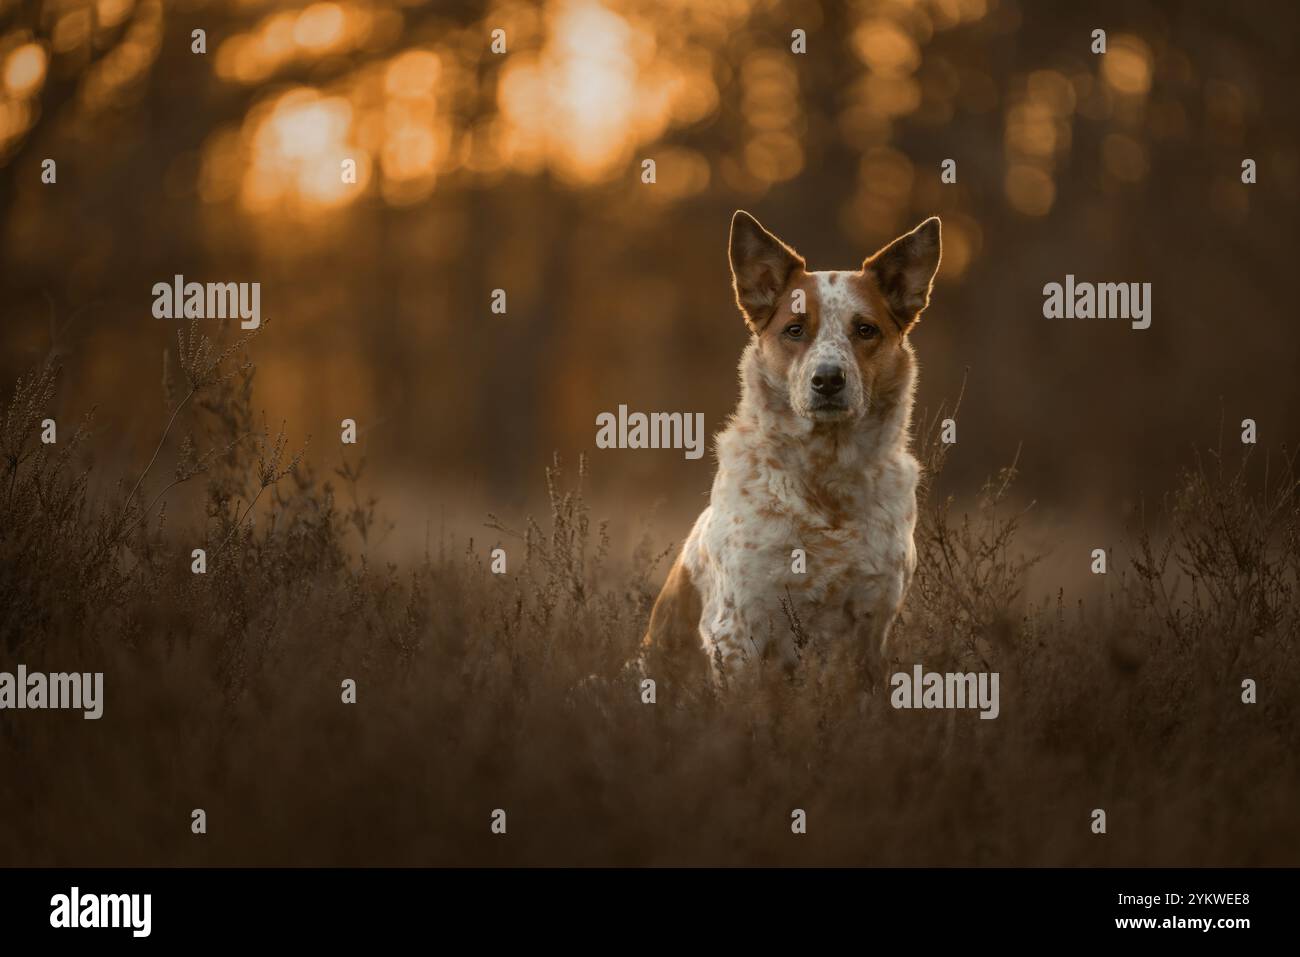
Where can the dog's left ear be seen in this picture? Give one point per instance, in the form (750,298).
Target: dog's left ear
(905,270)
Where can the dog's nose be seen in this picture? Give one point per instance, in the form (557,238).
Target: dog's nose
(828,379)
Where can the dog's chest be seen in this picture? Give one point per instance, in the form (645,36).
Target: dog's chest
(837,550)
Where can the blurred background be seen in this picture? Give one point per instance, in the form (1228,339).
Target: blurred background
(522,171)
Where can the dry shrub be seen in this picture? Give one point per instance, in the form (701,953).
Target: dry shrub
(479,691)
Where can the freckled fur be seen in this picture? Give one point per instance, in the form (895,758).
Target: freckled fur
(840,486)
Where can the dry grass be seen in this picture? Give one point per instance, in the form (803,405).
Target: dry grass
(479,691)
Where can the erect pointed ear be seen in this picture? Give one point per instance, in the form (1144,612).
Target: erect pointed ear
(760,267)
(905,270)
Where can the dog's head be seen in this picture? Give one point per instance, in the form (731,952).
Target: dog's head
(830,343)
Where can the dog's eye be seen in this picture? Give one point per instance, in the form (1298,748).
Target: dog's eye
(794,330)
(867,331)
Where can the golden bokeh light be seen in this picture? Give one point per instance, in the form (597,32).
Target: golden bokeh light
(110,13)
(1038,134)
(298,145)
(72,30)
(946,14)
(1127,65)
(773,151)
(886,47)
(682,173)
(1031,129)
(575,103)
(1054,90)
(112,79)
(1030,190)
(588,89)
(288,37)
(15,119)
(320,27)
(412,74)
(603,83)
(24,70)
(391,119)
(880,205)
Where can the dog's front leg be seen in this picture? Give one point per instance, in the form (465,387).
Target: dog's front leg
(873,628)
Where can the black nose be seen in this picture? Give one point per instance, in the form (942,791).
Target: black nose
(828,379)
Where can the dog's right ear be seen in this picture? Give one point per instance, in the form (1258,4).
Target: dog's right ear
(760,267)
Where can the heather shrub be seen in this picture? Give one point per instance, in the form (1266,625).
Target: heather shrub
(478,691)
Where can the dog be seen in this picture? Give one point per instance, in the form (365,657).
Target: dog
(815,458)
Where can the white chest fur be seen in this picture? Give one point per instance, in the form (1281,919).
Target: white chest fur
(837,549)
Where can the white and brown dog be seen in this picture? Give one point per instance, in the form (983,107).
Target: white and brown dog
(815,458)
